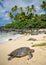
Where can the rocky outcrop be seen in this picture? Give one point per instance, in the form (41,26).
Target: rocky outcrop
(34,31)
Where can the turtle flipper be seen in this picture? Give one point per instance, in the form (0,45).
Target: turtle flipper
(10,58)
(30,56)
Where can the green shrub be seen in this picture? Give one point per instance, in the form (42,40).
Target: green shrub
(42,44)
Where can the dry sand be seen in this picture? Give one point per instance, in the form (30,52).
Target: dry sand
(39,56)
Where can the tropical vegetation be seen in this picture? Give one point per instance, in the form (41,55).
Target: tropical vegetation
(26,17)
(41,44)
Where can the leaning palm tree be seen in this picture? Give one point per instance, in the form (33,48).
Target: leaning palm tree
(43,6)
(12,10)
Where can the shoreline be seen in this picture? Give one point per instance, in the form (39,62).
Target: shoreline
(9,37)
(32,31)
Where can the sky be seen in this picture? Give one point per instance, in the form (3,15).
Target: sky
(6,5)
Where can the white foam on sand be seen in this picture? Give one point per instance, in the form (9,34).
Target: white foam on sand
(6,36)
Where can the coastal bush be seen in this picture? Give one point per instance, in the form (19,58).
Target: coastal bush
(41,44)
(26,24)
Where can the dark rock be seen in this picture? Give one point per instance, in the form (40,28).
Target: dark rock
(32,39)
(10,39)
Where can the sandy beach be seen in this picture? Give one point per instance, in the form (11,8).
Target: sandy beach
(39,56)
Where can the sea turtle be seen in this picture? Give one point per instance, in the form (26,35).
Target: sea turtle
(21,52)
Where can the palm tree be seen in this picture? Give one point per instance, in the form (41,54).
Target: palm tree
(33,8)
(10,15)
(11,12)
(43,6)
(21,9)
(28,10)
(14,8)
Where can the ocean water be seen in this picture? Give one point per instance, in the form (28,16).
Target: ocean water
(5,36)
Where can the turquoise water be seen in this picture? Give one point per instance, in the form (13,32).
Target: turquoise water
(5,36)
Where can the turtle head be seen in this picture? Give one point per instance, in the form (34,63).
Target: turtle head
(32,50)
(9,58)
